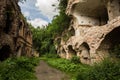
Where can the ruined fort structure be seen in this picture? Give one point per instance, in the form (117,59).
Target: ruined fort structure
(96,28)
(15,35)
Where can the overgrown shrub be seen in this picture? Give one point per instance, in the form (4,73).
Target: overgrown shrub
(106,70)
(75,59)
(50,55)
(115,52)
(18,69)
(65,65)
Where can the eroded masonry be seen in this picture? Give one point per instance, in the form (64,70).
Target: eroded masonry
(95,26)
(15,35)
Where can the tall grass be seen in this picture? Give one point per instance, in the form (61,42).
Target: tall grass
(106,70)
(18,69)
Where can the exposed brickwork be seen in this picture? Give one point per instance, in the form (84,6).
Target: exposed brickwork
(14,30)
(96,30)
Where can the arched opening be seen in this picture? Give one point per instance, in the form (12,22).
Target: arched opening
(84,53)
(110,41)
(88,14)
(72,31)
(86,45)
(71,51)
(8,20)
(20,25)
(63,53)
(5,52)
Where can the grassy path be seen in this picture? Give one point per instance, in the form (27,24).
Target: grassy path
(45,72)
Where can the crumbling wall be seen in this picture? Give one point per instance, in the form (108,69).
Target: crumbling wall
(15,35)
(96,25)
(113,7)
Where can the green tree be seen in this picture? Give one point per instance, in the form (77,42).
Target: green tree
(43,38)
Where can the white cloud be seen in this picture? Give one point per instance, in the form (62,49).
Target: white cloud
(26,14)
(38,22)
(46,8)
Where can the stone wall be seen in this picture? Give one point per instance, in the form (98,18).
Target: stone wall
(96,31)
(15,35)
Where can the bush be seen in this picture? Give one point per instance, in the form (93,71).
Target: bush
(107,70)
(66,65)
(50,55)
(116,51)
(75,59)
(18,69)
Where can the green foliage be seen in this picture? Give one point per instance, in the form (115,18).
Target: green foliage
(42,41)
(18,69)
(106,70)
(66,37)
(65,65)
(48,55)
(115,52)
(60,22)
(43,38)
(75,59)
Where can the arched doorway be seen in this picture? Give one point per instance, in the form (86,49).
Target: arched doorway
(5,52)
(111,40)
(71,51)
(85,53)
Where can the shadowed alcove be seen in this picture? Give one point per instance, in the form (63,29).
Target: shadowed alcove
(5,52)
(111,40)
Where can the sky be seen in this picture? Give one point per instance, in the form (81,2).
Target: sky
(39,12)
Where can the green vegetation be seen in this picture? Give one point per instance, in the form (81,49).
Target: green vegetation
(66,66)
(115,52)
(51,56)
(43,38)
(18,69)
(106,70)
(75,59)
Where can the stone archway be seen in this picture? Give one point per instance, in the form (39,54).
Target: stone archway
(85,53)
(5,52)
(71,51)
(110,41)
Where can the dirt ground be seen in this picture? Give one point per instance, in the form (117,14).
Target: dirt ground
(45,72)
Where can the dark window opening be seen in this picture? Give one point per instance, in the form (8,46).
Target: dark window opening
(23,50)
(72,31)
(63,51)
(104,16)
(5,52)
(119,6)
(111,1)
(8,20)
(20,25)
(86,45)
(85,58)
(109,11)
(17,49)
(71,50)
